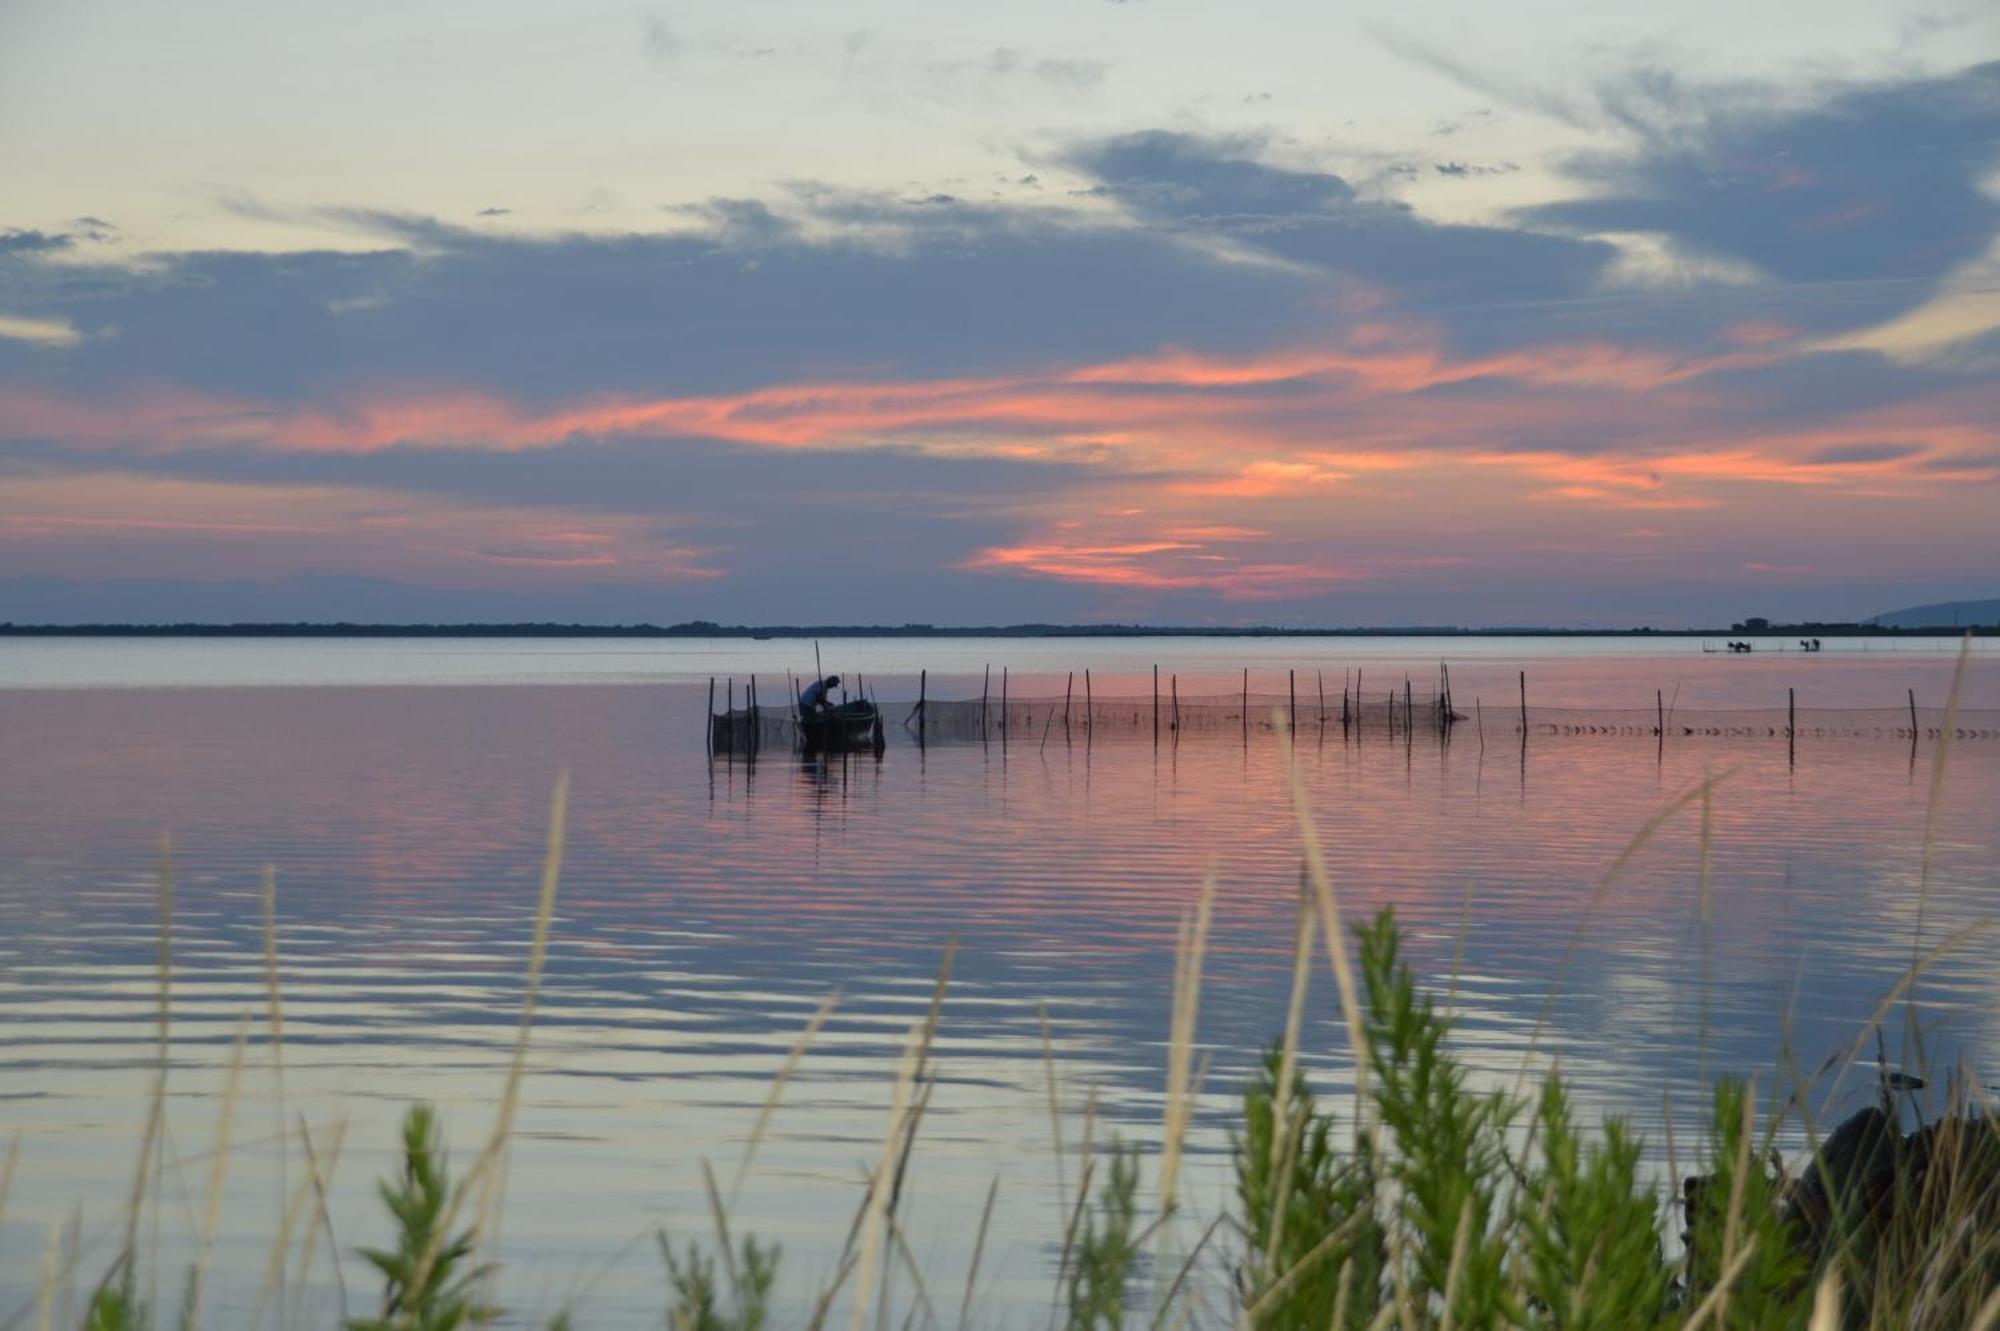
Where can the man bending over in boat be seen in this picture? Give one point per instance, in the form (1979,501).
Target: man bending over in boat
(818,696)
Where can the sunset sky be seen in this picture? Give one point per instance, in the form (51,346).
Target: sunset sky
(881,311)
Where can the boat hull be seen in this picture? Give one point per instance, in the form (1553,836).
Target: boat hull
(852,727)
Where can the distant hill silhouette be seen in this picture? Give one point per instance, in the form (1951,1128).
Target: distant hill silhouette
(1944,614)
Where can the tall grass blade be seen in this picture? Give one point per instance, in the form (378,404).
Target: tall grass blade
(777,1089)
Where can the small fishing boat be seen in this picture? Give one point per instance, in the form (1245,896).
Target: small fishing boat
(849,727)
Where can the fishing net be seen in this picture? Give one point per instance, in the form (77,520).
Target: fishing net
(1407,714)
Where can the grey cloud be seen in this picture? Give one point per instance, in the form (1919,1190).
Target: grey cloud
(661,42)
(742,302)
(1317,218)
(1877,184)
(33,242)
(1847,455)
(1161,174)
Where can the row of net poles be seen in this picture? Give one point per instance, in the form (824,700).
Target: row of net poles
(1913,731)
(918,713)
(1524,730)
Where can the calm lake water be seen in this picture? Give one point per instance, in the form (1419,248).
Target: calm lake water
(401,790)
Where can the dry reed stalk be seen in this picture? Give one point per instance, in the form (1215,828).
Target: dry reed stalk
(778,1084)
(1711,1306)
(1186,1269)
(1283,1284)
(489,1171)
(212,1208)
(1741,1170)
(1055,1100)
(1638,842)
(978,1251)
(1889,1000)
(1705,897)
(318,1177)
(485,1176)
(878,1187)
(1284,1141)
(276,1016)
(1931,807)
(1075,1222)
(1330,926)
(71,1255)
(1826,1305)
(1458,955)
(45,1288)
(1460,1242)
(1989,1313)
(281,1246)
(149,1140)
(927,1036)
(899,1237)
(1188,959)
(824,1304)
(722,1243)
(7,1172)
(1399,1284)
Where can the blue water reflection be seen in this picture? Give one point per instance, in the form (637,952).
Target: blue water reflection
(707,910)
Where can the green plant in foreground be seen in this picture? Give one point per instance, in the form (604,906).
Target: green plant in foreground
(693,1279)
(113,1308)
(1589,1230)
(1107,1251)
(1738,1236)
(429,1276)
(1307,1214)
(1448,1151)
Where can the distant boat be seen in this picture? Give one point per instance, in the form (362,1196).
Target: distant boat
(850,727)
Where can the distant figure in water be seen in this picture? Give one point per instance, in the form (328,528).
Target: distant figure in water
(818,695)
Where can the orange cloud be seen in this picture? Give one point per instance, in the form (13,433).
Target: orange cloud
(111,523)
(1190,563)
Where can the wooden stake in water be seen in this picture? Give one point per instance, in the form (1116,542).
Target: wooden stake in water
(1292,712)
(1791,726)
(1174,682)
(923,696)
(1913,714)
(1003,704)
(1069,687)
(1321,676)
(985,688)
(1524,706)
(709,727)
(1089,702)
(1156,706)
(1246,703)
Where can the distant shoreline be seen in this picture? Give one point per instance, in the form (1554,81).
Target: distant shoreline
(703,629)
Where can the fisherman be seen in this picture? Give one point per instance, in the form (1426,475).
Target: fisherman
(817,696)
